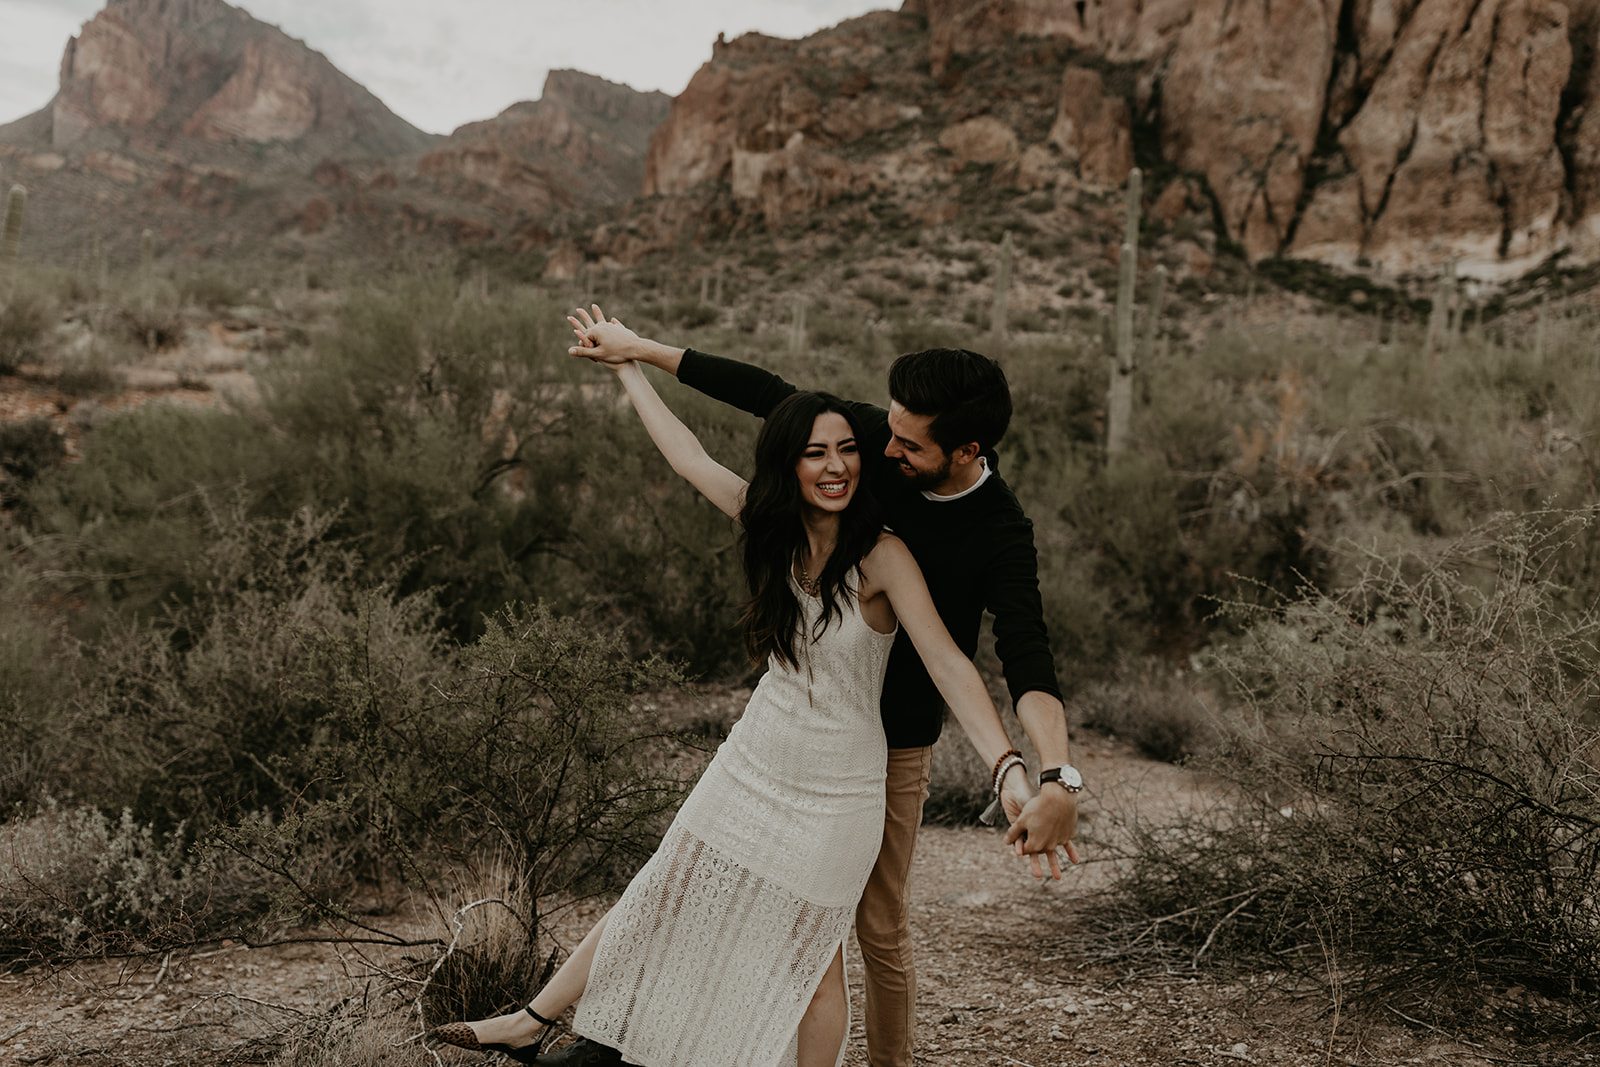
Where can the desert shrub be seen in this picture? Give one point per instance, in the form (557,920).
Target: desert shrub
(155,326)
(317,733)
(24,319)
(537,746)
(128,522)
(692,314)
(1419,791)
(222,704)
(213,291)
(75,882)
(958,782)
(1147,706)
(88,377)
(27,449)
(459,449)
(534,745)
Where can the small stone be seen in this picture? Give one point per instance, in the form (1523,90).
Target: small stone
(1057,1035)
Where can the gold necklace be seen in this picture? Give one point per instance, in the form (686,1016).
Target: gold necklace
(808,585)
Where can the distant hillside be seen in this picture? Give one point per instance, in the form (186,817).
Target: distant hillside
(146,75)
(226,137)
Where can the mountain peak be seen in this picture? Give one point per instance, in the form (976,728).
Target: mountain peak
(157,69)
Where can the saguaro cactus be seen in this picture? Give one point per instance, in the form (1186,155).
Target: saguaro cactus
(1119,399)
(1002,294)
(1152,316)
(1441,317)
(797,328)
(147,279)
(1538,330)
(15,205)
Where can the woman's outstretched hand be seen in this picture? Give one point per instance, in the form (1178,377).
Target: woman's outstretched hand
(601,340)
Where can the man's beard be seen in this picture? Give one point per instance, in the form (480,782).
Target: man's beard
(924,481)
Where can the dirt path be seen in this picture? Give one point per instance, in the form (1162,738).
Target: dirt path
(1001,981)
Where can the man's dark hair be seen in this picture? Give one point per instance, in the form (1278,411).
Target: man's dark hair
(966,394)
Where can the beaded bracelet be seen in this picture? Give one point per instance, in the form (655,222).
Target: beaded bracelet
(1010,758)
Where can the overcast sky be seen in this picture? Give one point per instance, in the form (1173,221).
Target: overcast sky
(440,63)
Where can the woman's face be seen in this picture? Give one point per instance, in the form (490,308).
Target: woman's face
(830,465)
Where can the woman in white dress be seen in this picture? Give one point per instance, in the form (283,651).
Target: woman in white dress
(727,947)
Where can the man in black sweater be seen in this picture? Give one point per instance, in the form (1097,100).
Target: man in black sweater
(941,493)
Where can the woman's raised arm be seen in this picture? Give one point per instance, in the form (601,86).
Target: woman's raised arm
(678,443)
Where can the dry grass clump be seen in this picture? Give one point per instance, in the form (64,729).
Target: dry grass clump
(347,1037)
(493,959)
(1418,770)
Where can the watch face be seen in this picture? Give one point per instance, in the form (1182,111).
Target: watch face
(1068,776)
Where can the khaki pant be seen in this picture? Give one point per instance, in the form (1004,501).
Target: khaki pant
(883,918)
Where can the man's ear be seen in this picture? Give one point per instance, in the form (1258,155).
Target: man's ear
(965,454)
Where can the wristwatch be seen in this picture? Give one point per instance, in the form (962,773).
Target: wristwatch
(1067,777)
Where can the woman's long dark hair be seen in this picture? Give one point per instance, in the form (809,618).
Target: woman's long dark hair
(774,536)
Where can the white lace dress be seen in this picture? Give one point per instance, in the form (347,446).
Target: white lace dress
(714,951)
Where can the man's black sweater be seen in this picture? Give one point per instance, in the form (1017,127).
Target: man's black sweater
(975,552)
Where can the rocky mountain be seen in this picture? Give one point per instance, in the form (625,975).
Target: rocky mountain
(226,136)
(1379,135)
(143,73)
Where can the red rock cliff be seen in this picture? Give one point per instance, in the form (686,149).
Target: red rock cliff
(1382,134)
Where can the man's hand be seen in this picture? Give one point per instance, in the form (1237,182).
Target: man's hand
(601,340)
(1042,825)
(609,342)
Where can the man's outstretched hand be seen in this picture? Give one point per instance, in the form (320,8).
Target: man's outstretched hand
(1041,826)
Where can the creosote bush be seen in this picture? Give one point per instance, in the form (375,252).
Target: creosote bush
(1418,770)
(24,319)
(76,883)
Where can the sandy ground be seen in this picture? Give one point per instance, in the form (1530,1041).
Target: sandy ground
(1003,981)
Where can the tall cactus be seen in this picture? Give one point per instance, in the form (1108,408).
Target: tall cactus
(1152,317)
(1436,325)
(1538,331)
(147,284)
(147,280)
(1002,295)
(797,328)
(1119,400)
(15,205)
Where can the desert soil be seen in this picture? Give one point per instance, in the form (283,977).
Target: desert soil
(1004,980)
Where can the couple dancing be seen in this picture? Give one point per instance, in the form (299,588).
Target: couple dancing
(727,947)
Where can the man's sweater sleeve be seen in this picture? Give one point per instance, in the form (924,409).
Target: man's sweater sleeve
(744,386)
(1021,639)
